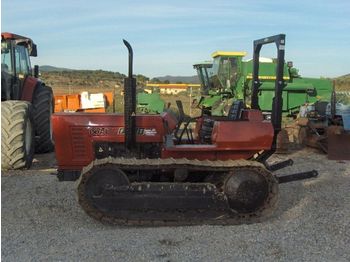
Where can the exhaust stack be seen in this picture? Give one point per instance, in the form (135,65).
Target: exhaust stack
(130,104)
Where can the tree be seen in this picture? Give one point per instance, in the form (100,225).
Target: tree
(155,81)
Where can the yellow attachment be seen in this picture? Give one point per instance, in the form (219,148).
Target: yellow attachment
(172,85)
(228,53)
(250,76)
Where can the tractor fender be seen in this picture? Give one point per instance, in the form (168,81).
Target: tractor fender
(29,86)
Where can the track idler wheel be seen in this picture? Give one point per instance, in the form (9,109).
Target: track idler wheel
(249,191)
(102,179)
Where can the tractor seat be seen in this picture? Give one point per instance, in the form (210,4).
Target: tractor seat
(186,120)
(235,111)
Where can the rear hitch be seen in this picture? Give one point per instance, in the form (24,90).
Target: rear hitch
(296,176)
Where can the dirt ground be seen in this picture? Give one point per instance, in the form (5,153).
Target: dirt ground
(42,221)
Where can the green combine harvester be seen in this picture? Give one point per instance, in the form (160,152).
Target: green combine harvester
(228,77)
(150,103)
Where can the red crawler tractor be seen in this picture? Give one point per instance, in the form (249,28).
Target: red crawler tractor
(142,170)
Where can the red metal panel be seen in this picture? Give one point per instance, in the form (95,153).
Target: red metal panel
(242,135)
(75,133)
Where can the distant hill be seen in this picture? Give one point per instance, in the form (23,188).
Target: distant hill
(344,76)
(54,76)
(171,79)
(64,80)
(342,83)
(48,68)
(178,79)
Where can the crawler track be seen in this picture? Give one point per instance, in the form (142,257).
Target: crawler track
(165,217)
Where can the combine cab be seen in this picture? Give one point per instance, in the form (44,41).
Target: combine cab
(26,104)
(154,170)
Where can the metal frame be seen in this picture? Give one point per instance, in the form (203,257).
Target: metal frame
(277,101)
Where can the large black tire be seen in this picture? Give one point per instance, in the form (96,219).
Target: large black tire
(43,108)
(17,135)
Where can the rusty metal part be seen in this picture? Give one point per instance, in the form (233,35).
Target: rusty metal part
(318,141)
(302,121)
(218,200)
(282,142)
(302,133)
(338,143)
(310,134)
(332,140)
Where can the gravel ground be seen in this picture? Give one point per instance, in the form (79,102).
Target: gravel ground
(42,221)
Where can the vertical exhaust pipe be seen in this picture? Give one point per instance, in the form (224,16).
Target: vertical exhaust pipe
(130,104)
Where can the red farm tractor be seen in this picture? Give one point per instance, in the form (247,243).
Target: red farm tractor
(26,104)
(154,170)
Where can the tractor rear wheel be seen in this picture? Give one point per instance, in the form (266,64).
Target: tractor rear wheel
(43,108)
(17,135)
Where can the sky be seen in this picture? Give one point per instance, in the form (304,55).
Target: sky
(168,37)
